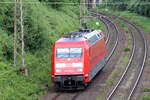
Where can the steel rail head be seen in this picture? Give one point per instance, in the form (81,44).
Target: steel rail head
(145,55)
(128,65)
(116,43)
(117,32)
(144,59)
(143,64)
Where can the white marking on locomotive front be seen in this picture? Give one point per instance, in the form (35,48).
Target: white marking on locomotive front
(80,70)
(60,65)
(68,70)
(69,59)
(77,64)
(86,75)
(58,70)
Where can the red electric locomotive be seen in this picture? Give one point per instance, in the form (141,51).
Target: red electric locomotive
(77,58)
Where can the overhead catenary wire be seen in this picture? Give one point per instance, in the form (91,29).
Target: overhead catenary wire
(69,3)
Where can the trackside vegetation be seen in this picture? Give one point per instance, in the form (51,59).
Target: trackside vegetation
(140,7)
(44,23)
(139,18)
(142,21)
(95,23)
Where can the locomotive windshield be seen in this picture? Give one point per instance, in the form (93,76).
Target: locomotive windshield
(68,52)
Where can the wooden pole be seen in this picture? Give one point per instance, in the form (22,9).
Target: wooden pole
(23,68)
(80,13)
(15,32)
(22,31)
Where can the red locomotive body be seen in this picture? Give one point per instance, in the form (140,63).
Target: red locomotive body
(76,60)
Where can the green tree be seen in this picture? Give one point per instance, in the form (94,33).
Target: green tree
(7,16)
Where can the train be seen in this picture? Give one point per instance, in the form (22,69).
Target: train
(76,58)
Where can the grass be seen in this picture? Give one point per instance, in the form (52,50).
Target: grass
(116,74)
(146,89)
(123,62)
(110,82)
(40,21)
(142,21)
(19,87)
(126,49)
(100,26)
(146,97)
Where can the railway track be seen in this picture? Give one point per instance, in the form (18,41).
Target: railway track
(127,68)
(137,35)
(107,23)
(107,29)
(74,96)
(140,68)
(57,95)
(117,38)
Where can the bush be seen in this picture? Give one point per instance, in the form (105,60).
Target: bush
(6,46)
(55,3)
(146,98)
(42,27)
(132,5)
(126,49)
(146,89)
(7,16)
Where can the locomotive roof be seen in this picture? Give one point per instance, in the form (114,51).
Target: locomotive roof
(71,39)
(92,37)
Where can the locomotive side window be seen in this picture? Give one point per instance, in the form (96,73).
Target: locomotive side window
(68,52)
(99,35)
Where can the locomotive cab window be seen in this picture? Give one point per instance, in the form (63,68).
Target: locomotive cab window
(75,52)
(68,52)
(62,52)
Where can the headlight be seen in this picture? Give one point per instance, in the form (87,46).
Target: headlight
(77,64)
(58,70)
(60,65)
(79,70)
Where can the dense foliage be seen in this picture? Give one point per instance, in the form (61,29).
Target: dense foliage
(138,6)
(56,3)
(43,25)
